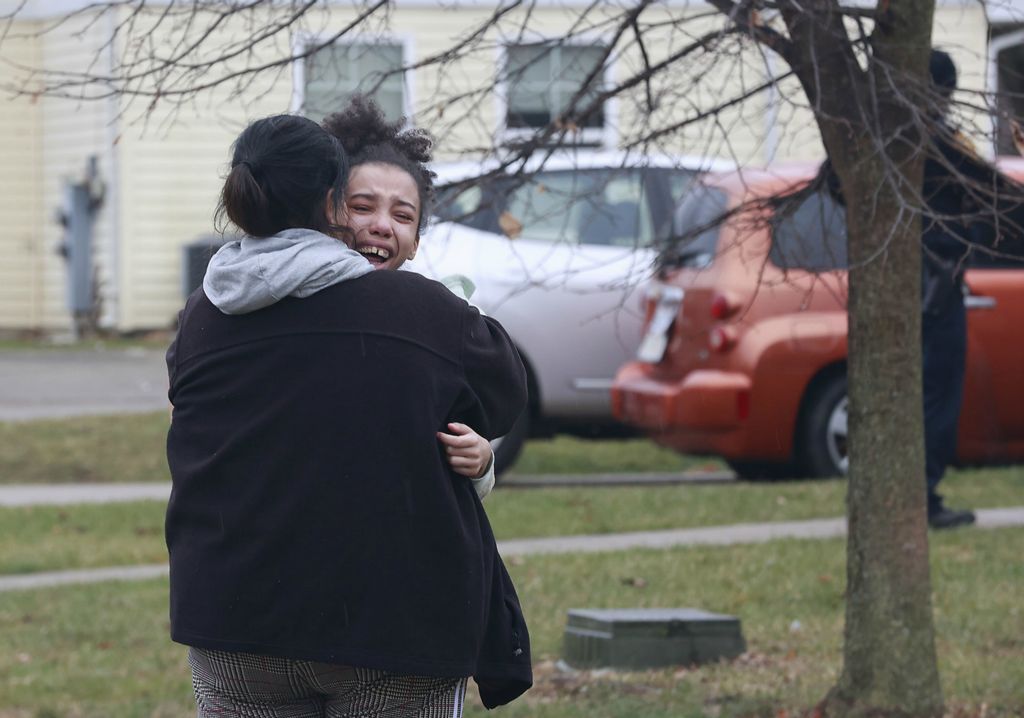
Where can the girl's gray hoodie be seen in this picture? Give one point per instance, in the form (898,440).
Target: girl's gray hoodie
(254,272)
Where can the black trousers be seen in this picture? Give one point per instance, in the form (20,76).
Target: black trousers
(944,349)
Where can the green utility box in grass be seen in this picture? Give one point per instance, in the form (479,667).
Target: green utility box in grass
(649,637)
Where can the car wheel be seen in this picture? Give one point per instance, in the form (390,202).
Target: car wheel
(762,470)
(823,433)
(506,448)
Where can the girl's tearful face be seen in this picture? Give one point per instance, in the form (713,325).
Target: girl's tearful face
(382,208)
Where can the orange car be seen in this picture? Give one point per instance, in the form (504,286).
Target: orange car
(744,354)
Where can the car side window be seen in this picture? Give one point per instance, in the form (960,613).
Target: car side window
(679,183)
(810,236)
(696,224)
(604,207)
(472,205)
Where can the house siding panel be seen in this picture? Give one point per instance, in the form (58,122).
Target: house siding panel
(21,243)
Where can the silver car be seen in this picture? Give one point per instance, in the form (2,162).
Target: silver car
(559,251)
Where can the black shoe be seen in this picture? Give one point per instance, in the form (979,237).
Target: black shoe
(950,518)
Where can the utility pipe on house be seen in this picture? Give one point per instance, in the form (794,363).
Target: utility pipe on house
(82,201)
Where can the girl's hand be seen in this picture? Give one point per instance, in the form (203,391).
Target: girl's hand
(468,453)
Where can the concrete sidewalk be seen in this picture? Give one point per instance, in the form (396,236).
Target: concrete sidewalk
(59,494)
(65,494)
(705,536)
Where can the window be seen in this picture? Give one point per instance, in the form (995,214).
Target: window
(1007,70)
(606,206)
(679,182)
(695,228)
(600,207)
(541,81)
(468,206)
(336,72)
(810,236)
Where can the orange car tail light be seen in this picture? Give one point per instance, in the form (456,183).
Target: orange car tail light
(743,405)
(721,339)
(721,306)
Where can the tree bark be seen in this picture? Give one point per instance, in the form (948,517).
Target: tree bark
(889,661)
(867,120)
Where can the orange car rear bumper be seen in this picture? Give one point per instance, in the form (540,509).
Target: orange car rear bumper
(704,400)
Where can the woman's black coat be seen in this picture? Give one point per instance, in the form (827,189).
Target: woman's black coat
(313,513)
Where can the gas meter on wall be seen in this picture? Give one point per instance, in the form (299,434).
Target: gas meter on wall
(82,201)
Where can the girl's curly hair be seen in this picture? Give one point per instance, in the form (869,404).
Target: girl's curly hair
(367,137)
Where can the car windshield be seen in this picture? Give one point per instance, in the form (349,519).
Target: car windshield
(810,235)
(599,206)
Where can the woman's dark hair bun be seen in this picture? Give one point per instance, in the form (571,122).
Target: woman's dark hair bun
(243,197)
(282,168)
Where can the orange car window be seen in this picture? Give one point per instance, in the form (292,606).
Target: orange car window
(810,236)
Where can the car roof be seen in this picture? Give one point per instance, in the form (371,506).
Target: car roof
(761,181)
(1011,165)
(454,171)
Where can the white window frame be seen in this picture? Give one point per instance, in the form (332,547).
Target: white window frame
(996,46)
(604,137)
(301,42)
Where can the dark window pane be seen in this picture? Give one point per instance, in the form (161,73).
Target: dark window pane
(336,72)
(811,236)
(473,206)
(543,79)
(695,227)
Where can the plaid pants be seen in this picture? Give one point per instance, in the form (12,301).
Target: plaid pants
(241,685)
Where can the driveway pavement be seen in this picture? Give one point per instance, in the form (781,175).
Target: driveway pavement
(57,383)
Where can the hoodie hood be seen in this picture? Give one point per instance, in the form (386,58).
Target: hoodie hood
(252,273)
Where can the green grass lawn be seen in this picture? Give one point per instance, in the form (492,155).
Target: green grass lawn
(570,455)
(128,448)
(45,538)
(50,538)
(102,650)
(94,449)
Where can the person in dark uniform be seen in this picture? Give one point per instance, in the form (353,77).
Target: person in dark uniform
(968,207)
(964,196)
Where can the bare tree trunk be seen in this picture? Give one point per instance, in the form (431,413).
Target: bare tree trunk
(889,661)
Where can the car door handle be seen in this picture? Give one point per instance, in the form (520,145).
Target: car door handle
(975,301)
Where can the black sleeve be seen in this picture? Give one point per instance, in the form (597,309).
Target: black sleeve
(171,357)
(174,350)
(495,377)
